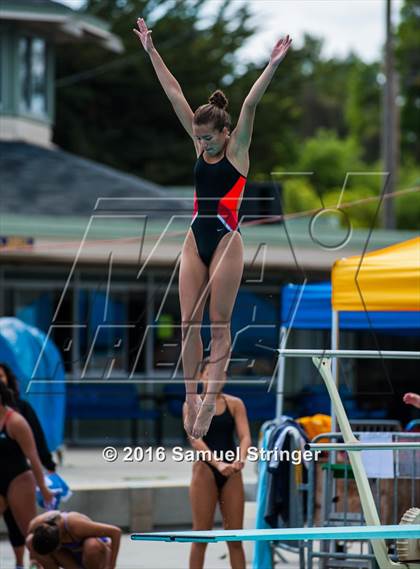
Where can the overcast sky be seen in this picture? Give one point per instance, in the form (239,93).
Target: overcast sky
(345,25)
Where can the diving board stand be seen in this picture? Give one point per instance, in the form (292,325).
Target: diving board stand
(323,365)
(409,531)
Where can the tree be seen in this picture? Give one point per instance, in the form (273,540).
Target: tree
(363,108)
(408,62)
(323,88)
(329,158)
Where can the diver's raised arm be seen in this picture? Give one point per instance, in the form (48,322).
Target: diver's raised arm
(241,136)
(169,83)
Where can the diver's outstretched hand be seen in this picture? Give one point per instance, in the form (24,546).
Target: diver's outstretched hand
(412,399)
(144,35)
(280,50)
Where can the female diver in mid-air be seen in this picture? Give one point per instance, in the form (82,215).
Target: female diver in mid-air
(212,254)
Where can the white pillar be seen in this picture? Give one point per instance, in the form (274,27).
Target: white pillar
(281,369)
(335,345)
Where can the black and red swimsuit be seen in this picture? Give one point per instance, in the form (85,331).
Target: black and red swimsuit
(218,189)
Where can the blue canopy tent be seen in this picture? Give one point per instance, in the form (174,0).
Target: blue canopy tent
(314,312)
(308,307)
(31,356)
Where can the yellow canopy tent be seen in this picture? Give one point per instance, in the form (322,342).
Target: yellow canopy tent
(384,280)
(387,279)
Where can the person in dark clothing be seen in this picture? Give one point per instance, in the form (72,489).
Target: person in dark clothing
(218,479)
(20,468)
(7,377)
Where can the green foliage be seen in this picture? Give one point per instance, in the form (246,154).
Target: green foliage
(408,211)
(363,108)
(339,178)
(299,195)
(329,158)
(407,206)
(323,89)
(364,214)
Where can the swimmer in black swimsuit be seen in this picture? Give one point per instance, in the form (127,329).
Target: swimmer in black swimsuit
(16,537)
(218,191)
(17,479)
(220,481)
(212,254)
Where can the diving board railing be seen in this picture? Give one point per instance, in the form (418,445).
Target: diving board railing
(362,446)
(356,354)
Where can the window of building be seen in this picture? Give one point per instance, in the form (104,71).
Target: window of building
(33,75)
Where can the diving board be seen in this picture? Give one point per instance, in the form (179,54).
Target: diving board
(409,531)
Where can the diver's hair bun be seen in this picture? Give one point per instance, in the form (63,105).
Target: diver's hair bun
(219,99)
(214,112)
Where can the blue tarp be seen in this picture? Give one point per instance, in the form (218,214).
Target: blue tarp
(315,312)
(20,348)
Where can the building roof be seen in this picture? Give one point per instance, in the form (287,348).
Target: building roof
(64,23)
(36,4)
(91,240)
(40,181)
